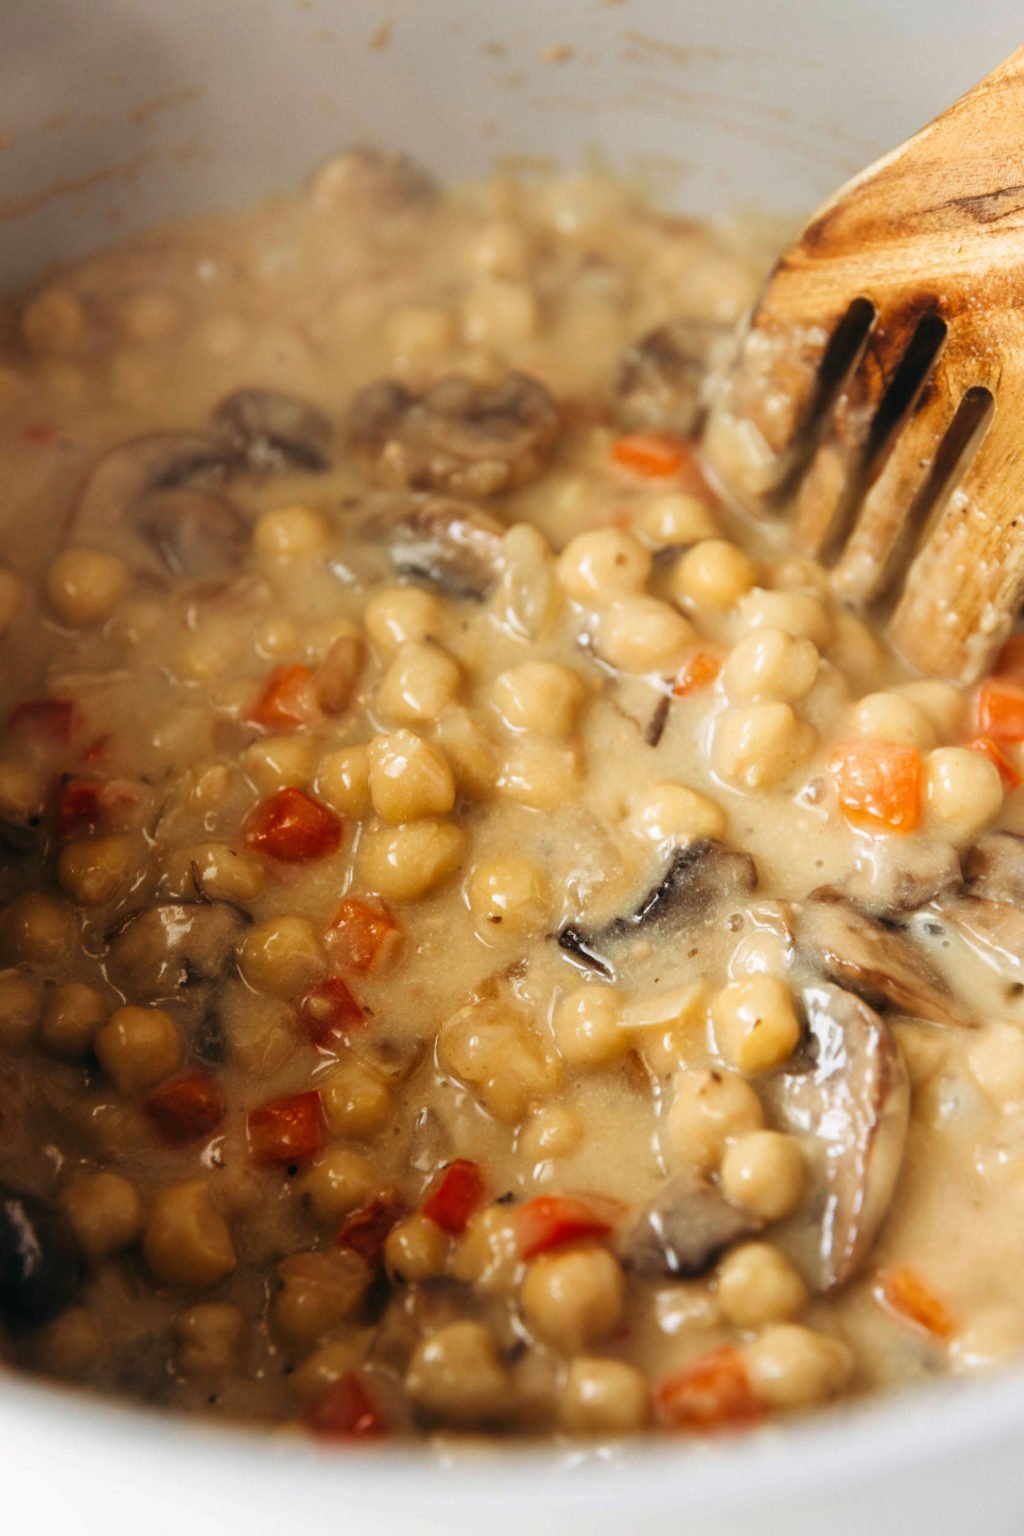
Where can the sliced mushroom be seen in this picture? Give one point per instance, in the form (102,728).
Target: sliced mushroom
(157,952)
(896,879)
(271,430)
(993,929)
(460,436)
(452,544)
(660,379)
(40,1266)
(685,1229)
(164,487)
(994,868)
(879,963)
(697,879)
(852,1095)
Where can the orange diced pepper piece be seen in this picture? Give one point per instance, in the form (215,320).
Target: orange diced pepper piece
(653,455)
(1001,709)
(878,784)
(995,754)
(698,671)
(905,1294)
(1010,661)
(714,1393)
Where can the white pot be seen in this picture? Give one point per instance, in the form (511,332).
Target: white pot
(115,113)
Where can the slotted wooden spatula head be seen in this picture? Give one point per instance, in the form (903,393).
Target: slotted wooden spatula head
(878,391)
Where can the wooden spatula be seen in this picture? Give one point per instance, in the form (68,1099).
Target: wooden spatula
(878,391)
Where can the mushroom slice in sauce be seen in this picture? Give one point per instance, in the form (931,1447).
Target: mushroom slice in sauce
(687,1226)
(660,378)
(994,868)
(993,929)
(272,430)
(853,1096)
(40,1265)
(696,880)
(159,951)
(458,435)
(890,880)
(452,544)
(879,963)
(130,488)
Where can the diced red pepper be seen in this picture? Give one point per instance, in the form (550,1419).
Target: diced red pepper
(186,1108)
(1010,661)
(286,700)
(286,1130)
(460,1192)
(43,433)
(698,671)
(78,807)
(995,754)
(905,1294)
(329,1012)
(1001,709)
(51,720)
(293,827)
(878,784)
(366,1230)
(363,937)
(345,1412)
(549,1221)
(714,1393)
(653,455)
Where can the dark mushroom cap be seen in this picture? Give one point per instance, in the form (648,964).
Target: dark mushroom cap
(660,378)
(271,430)
(40,1266)
(686,1228)
(452,544)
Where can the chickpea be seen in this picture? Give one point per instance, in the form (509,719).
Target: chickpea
(419,685)
(39,928)
(20,1000)
(69,1346)
(602,566)
(416,1249)
(494,1051)
(677,518)
(326,1365)
(487,1256)
(758,746)
(587,1026)
(343,781)
(12,598)
(759,1284)
(539,774)
(802,574)
(945,705)
(282,957)
(356,1100)
(212,650)
(409,778)
(186,1241)
(794,1367)
(996,1059)
(277,637)
(279,762)
(403,616)
(799,614)
(755,1022)
(290,533)
(604,1397)
(338,1182)
(149,315)
(54,321)
(455,1375)
(209,1339)
(510,892)
(224,873)
(138,1048)
(555,1130)
(765,1172)
(21,794)
(420,332)
(72,1013)
(83,586)
(708,1110)
(714,574)
(770,664)
(471,752)
(499,313)
(539,696)
(963,789)
(105,1211)
(675,814)
(93,870)
(499,249)
(406,863)
(856,651)
(318,1291)
(892,717)
(643,634)
(573,1299)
